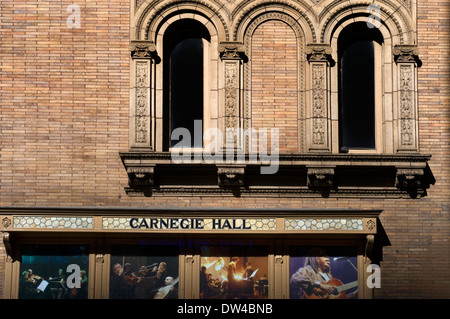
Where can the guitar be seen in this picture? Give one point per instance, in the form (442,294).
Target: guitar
(164,291)
(338,291)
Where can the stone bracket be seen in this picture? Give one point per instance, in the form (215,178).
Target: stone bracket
(409,178)
(141,176)
(230,176)
(321,178)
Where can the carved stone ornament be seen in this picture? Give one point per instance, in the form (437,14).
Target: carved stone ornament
(319,126)
(370,224)
(141,176)
(369,247)
(7,245)
(409,178)
(99,258)
(320,176)
(142,49)
(406,53)
(231,176)
(6,222)
(407,110)
(279,259)
(231,50)
(189,259)
(318,52)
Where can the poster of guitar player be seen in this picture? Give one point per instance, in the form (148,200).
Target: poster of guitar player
(317,275)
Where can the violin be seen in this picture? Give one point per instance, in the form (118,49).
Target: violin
(132,279)
(35,278)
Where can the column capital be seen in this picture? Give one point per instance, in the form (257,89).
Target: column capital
(406,53)
(320,52)
(143,49)
(232,50)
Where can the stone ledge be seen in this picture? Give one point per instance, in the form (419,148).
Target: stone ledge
(298,175)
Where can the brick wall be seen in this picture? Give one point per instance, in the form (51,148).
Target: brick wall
(274,82)
(64,117)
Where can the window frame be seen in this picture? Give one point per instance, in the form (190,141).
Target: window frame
(383,93)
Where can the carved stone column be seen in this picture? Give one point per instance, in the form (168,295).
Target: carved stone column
(232,56)
(143,55)
(406,58)
(319,111)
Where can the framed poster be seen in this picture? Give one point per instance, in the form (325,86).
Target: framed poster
(46,272)
(322,273)
(229,272)
(143,272)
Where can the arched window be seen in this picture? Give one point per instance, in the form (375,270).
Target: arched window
(359,51)
(185,44)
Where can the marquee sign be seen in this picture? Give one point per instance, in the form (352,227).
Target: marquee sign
(305,224)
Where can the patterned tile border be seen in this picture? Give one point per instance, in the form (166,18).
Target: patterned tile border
(324,224)
(53,222)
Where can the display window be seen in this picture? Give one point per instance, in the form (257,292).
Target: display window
(323,273)
(48,272)
(230,272)
(144,272)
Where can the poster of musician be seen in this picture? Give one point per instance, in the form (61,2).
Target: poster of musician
(44,272)
(321,276)
(224,275)
(144,277)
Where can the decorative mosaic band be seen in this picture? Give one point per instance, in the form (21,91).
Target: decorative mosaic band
(258,224)
(192,224)
(53,222)
(326,224)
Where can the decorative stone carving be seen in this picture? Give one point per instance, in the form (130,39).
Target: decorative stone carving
(7,245)
(141,176)
(231,104)
(318,104)
(278,259)
(141,103)
(370,239)
(231,176)
(6,222)
(143,49)
(232,50)
(409,178)
(406,106)
(319,52)
(99,258)
(319,101)
(189,259)
(406,53)
(370,224)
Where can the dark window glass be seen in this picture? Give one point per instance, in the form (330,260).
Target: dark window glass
(357,111)
(186,87)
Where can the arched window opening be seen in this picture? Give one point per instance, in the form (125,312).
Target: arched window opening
(185,42)
(359,49)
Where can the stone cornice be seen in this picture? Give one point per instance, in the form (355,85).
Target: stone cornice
(298,175)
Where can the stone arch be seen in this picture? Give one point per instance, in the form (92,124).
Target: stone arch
(153,19)
(395,20)
(299,14)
